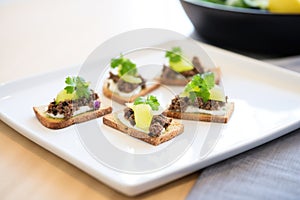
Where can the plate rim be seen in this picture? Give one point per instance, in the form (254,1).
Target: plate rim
(131,188)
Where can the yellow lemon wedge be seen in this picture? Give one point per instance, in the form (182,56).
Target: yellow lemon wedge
(284,6)
(217,94)
(131,79)
(181,66)
(63,96)
(142,116)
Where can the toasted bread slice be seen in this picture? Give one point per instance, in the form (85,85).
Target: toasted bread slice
(183,81)
(122,100)
(202,116)
(174,129)
(55,123)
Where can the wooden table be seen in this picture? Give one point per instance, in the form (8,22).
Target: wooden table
(27,171)
(38,37)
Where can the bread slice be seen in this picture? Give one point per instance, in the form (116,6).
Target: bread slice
(183,81)
(174,129)
(55,123)
(122,100)
(202,116)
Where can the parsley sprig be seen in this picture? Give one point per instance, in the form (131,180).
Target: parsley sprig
(150,100)
(78,85)
(125,66)
(200,85)
(174,55)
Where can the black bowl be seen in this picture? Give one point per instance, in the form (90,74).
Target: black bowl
(251,30)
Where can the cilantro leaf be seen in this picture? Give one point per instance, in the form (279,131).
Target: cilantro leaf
(128,68)
(78,85)
(209,79)
(69,89)
(174,55)
(124,65)
(71,84)
(139,100)
(200,85)
(115,62)
(82,87)
(70,81)
(153,102)
(150,100)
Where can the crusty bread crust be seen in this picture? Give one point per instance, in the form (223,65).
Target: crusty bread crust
(184,81)
(202,116)
(122,100)
(54,123)
(174,129)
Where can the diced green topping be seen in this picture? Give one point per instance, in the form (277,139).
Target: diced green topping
(200,86)
(150,100)
(176,60)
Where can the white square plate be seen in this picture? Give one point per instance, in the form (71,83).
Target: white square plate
(267,105)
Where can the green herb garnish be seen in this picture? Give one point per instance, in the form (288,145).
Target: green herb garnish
(78,85)
(150,100)
(216,1)
(200,85)
(256,4)
(125,66)
(174,55)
